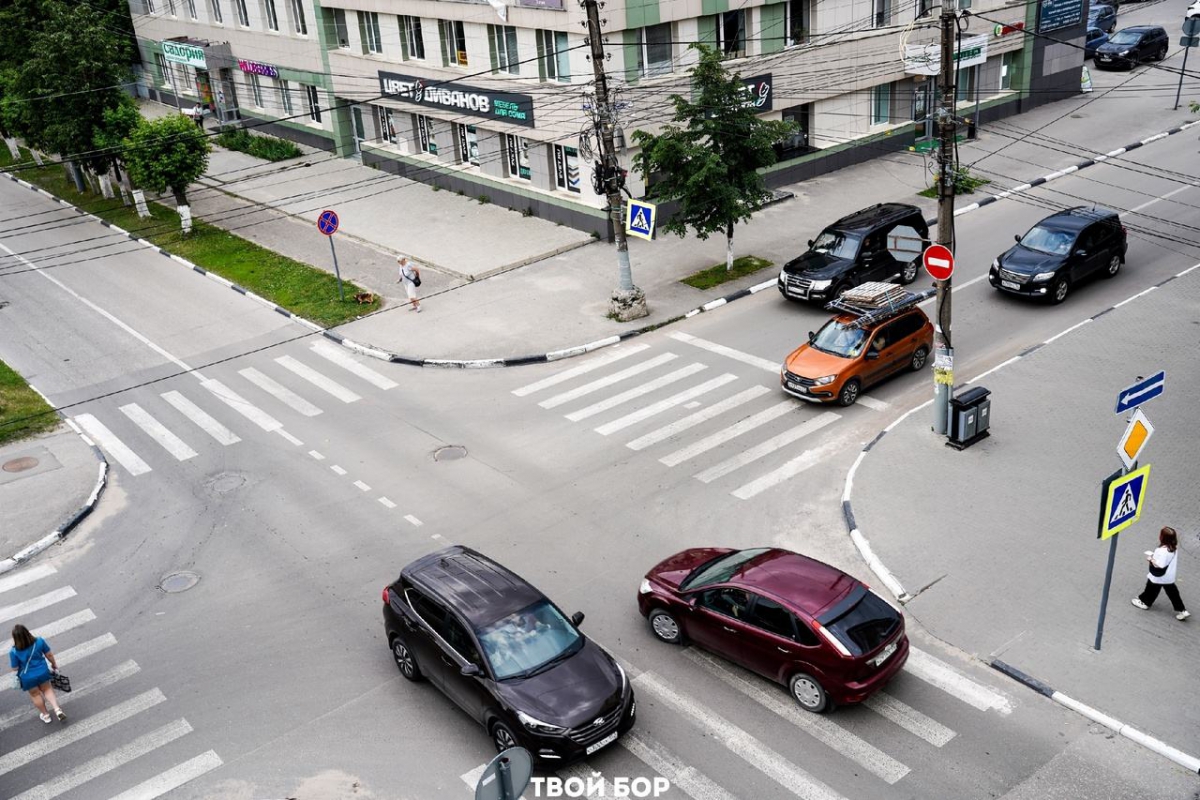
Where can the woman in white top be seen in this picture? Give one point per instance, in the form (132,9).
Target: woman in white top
(409,275)
(1164,561)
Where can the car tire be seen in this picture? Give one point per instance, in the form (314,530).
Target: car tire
(849,393)
(909,274)
(1161,54)
(1114,266)
(809,694)
(503,737)
(665,627)
(1059,291)
(405,660)
(840,290)
(919,359)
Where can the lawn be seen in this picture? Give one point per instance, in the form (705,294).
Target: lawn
(23,412)
(718,274)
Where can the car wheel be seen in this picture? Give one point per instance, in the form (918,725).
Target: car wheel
(808,693)
(665,627)
(1060,290)
(910,273)
(406,662)
(503,737)
(1162,53)
(849,393)
(1114,266)
(840,290)
(919,358)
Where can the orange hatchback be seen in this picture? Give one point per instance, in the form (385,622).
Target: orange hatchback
(853,351)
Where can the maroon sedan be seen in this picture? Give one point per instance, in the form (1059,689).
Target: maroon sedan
(790,618)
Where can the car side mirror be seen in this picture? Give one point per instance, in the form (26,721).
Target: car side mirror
(871,355)
(811,336)
(1081,253)
(1017,238)
(577,618)
(470,670)
(810,242)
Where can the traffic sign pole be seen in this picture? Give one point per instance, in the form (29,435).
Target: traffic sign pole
(328,224)
(336,271)
(1108,571)
(1191,27)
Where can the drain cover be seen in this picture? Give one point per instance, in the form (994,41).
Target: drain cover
(450,452)
(20,464)
(176,582)
(225,482)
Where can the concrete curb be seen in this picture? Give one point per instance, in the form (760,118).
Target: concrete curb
(1188,762)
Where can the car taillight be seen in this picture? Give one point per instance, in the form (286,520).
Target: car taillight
(386,599)
(833,640)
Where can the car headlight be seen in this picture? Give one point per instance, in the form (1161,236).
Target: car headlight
(537,726)
(1123,53)
(820,286)
(828,379)
(783,275)
(995,263)
(624,678)
(1043,276)
(645,587)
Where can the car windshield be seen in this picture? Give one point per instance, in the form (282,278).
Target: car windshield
(1125,37)
(1096,11)
(837,339)
(720,569)
(1047,240)
(865,626)
(837,244)
(523,642)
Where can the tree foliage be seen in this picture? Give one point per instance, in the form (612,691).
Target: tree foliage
(167,154)
(708,159)
(117,125)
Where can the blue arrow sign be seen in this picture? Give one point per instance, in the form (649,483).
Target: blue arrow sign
(1142,391)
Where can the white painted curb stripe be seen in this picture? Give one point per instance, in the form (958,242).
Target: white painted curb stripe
(610,357)
(173,778)
(683,777)
(317,379)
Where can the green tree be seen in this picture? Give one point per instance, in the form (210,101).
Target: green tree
(167,153)
(708,160)
(117,124)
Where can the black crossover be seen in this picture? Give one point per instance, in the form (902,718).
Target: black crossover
(507,656)
(1129,47)
(1060,251)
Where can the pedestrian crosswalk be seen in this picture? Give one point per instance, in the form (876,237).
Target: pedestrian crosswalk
(106,708)
(697,415)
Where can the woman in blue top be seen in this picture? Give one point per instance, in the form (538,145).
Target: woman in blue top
(35,664)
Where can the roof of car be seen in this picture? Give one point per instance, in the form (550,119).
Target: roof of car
(1142,29)
(805,583)
(876,214)
(471,583)
(1073,219)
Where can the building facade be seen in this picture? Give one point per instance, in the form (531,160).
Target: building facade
(491,98)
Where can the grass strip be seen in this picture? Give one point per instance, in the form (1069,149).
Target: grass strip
(23,412)
(718,274)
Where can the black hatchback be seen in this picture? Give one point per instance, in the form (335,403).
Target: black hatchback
(1060,251)
(1129,47)
(507,656)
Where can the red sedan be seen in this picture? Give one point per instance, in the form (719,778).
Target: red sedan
(800,622)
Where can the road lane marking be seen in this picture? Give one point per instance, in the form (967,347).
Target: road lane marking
(173,778)
(737,741)
(591,778)
(614,355)
(26,576)
(807,459)
(279,392)
(724,435)
(78,653)
(62,625)
(288,437)
(685,778)
(158,432)
(824,730)
(471,778)
(317,379)
(416,523)
(680,425)
(766,448)
(940,674)
(1154,200)
(362,486)
(873,404)
(316,455)
(609,380)
(635,392)
(346,361)
(241,405)
(128,459)
(337,469)
(663,405)
(729,352)
(386,503)
(201,418)
(26,607)
(909,719)
(79,688)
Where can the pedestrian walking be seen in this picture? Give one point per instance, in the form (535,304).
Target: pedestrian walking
(198,115)
(410,276)
(35,665)
(1163,562)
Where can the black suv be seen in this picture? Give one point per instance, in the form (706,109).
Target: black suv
(880,243)
(1129,47)
(507,656)
(1060,251)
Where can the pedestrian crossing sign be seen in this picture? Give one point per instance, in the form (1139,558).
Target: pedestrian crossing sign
(639,219)
(1122,500)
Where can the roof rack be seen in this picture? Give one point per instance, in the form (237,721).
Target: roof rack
(874,302)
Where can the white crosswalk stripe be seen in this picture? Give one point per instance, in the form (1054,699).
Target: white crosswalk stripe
(703,415)
(943,676)
(654,409)
(339,356)
(201,418)
(609,357)
(25,607)
(687,779)
(62,625)
(26,576)
(279,392)
(241,405)
(909,718)
(728,352)
(590,778)
(113,446)
(158,432)
(807,459)
(79,689)
(766,448)
(173,778)
(637,391)
(726,434)
(608,380)
(309,374)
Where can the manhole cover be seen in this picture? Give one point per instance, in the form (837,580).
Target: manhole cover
(225,482)
(450,452)
(175,582)
(20,464)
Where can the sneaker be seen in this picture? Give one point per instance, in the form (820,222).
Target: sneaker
(1137,601)
(1182,615)
(418,309)
(58,712)
(45,718)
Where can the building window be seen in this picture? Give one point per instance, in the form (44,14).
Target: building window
(881,104)
(217,16)
(299,22)
(796,22)
(654,50)
(255,89)
(925,6)
(271,15)
(553,58)
(883,12)
(424,126)
(731,33)
(970,85)
(192,8)
(503,40)
(368,29)
(454,43)
(340,29)
(164,74)
(314,103)
(518,157)
(149,6)
(566,168)
(412,42)
(1008,65)
(285,97)
(243,14)
(797,143)
(387,124)
(171,7)
(468,145)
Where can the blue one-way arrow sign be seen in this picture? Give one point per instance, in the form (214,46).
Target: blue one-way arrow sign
(1142,391)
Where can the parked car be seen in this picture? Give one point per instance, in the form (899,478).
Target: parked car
(855,350)
(507,656)
(1095,38)
(880,243)
(1129,47)
(1103,17)
(1060,251)
(790,618)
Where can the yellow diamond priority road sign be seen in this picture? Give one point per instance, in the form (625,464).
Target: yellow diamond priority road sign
(1136,435)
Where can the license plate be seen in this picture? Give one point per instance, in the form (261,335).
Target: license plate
(795,387)
(1106,58)
(612,737)
(1010,285)
(885,654)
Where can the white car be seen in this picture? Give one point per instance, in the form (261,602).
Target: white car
(1193,10)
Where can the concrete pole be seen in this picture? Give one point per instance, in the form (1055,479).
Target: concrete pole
(943,356)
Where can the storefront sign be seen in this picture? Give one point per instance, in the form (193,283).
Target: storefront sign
(758,92)
(188,54)
(255,68)
(926,59)
(504,106)
(555,4)
(1056,14)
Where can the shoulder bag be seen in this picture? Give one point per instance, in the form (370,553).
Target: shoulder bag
(1158,571)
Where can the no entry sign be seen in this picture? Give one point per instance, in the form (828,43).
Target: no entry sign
(939,261)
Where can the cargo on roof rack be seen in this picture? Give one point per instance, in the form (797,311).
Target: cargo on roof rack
(872,303)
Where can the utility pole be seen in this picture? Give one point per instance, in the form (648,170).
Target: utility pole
(628,301)
(943,350)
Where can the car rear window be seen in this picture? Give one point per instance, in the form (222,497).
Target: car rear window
(868,624)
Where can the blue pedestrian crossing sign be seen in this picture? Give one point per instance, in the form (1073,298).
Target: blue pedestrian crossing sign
(639,219)
(1122,500)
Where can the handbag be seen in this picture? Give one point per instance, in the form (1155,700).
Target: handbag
(416,279)
(1158,571)
(60,682)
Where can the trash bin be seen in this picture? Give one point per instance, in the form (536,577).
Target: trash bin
(970,417)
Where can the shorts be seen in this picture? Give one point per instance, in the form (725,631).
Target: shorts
(409,289)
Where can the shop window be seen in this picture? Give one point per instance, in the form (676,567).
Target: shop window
(566,168)
(969,83)
(468,145)
(654,50)
(454,43)
(882,13)
(243,14)
(553,57)
(503,41)
(796,144)
(217,16)
(299,21)
(411,39)
(881,104)
(731,33)
(387,124)
(518,157)
(1008,66)
(255,89)
(313,100)
(368,29)
(796,21)
(340,30)
(164,71)
(271,15)
(425,138)
(285,97)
